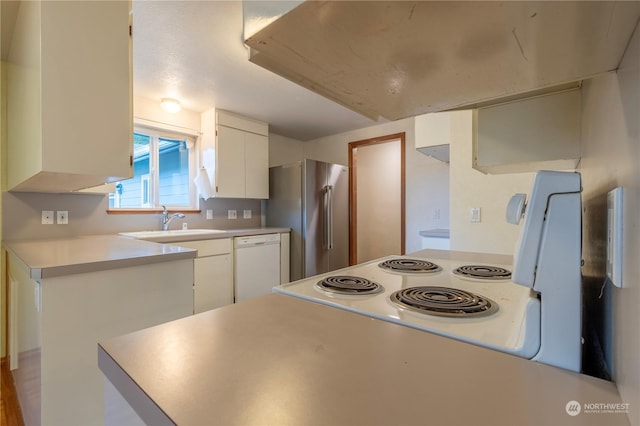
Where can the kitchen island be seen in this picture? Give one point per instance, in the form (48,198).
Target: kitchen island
(67,294)
(281,360)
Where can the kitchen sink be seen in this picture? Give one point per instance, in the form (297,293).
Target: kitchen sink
(172,235)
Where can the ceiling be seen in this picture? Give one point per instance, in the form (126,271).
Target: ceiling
(193,51)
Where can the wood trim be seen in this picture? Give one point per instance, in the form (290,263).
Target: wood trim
(353,208)
(152,211)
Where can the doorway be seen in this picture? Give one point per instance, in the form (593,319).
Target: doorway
(377,197)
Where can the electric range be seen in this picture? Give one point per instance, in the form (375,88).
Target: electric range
(531,308)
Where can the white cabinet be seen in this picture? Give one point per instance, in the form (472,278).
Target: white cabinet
(241,157)
(69,96)
(433,134)
(212,272)
(524,136)
(55,324)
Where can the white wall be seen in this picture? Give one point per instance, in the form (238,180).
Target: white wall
(611,158)
(283,150)
(149,111)
(471,188)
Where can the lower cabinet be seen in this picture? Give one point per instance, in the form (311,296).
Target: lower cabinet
(212,273)
(55,324)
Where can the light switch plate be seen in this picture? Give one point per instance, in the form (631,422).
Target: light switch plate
(209,214)
(614,236)
(246,214)
(475,214)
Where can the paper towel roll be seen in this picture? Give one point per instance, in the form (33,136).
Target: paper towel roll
(202,184)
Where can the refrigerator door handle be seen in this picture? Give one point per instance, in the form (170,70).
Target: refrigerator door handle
(330,217)
(327,219)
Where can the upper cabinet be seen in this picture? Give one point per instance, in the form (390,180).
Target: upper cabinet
(69,96)
(239,155)
(528,135)
(433,134)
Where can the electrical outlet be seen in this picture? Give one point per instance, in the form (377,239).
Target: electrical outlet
(246,214)
(232,214)
(436,214)
(209,214)
(475,214)
(62,217)
(47,217)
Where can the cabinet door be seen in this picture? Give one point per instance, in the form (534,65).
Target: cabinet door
(257,165)
(230,167)
(213,278)
(70,96)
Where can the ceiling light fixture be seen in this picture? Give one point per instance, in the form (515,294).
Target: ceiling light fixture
(170,105)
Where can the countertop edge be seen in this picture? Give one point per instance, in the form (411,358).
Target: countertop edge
(106,265)
(144,406)
(231,233)
(162,251)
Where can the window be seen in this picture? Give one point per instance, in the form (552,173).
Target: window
(163,171)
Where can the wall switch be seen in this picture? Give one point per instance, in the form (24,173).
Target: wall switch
(47,217)
(232,214)
(614,237)
(246,214)
(209,214)
(62,217)
(475,214)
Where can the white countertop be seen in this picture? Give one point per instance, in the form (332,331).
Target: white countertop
(90,253)
(66,256)
(281,360)
(435,233)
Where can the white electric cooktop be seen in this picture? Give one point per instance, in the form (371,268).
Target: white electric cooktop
(514,328)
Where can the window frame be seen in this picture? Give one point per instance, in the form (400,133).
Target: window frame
(153,176)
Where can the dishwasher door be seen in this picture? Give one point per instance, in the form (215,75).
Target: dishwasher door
(256,265)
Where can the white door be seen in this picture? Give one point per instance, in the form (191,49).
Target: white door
(377,195)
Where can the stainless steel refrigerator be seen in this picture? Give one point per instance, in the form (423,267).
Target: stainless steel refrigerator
(312,198)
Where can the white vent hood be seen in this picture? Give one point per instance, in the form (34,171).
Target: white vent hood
(402,59)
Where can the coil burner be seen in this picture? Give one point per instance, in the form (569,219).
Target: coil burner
(483,272)
(416,266)
(444,301)
(343,284)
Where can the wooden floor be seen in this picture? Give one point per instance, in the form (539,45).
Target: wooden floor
(10,414)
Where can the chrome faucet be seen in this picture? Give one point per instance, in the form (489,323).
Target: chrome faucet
(166,218)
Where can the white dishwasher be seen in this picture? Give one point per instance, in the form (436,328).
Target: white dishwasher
(256,265)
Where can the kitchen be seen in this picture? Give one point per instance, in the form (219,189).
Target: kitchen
(608,109)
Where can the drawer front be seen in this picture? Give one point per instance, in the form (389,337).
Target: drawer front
(208,247)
